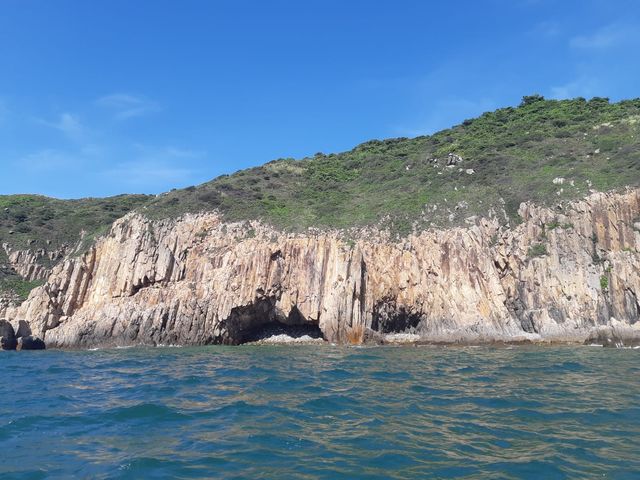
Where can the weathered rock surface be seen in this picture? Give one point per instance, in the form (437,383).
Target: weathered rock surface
(558,276)
(23,329)
(8,300)
(31,264)
(7,336)
(30,342)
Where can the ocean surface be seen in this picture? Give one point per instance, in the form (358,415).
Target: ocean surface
(277,412)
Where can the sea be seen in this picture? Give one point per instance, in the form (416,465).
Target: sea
(321,412)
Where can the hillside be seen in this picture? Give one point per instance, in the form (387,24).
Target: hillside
(544,151)
(46,225)
(499,160)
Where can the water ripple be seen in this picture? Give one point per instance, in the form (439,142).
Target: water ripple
(321,412)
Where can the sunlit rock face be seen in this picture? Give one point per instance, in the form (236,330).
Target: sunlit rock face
(560,275)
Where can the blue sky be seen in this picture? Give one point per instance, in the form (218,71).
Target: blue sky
(104,97)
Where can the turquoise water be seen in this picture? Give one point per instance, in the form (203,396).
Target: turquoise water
(275,412)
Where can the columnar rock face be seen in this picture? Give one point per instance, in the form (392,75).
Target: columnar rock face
(561,275)
(29,263)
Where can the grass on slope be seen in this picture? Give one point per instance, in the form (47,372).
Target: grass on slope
(509,156)
(515,154)
(34,221)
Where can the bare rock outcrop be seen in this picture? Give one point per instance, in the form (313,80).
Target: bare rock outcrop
(558,276)
(7,336)
(33,264)
(29,342)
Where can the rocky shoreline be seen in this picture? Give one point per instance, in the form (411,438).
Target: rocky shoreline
(19,338)
(565,274)
(618,335)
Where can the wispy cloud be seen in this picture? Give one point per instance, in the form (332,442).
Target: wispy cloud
(150,173)
(445,113)
(581,87)
(548,29)
(157,167)
(48,160)
(69,125)
(183,153)
(4,111)
(606,37)
(124,105)
(169,152)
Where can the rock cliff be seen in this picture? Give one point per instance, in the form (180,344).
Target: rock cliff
(33,264)
(566,273)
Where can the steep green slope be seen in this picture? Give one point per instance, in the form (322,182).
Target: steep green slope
(515,154)
(36,222)
(488,164)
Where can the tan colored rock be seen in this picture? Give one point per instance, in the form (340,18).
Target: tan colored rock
(198,280)
(29,263)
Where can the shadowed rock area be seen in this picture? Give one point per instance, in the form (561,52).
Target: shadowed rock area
(21,339)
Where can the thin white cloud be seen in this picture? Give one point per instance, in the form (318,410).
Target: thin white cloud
(149,173)
(157,167)
(69,125)
(4,111)
(445,113)
(606,37)
(48,160)
(124,105)
(183,153)
(150,168)
(581,87)
(150,151)
(548,30)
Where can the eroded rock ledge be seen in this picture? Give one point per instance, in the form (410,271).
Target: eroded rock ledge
(561,275)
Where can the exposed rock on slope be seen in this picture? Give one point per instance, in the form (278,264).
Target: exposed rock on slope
(31,264)
(560,275)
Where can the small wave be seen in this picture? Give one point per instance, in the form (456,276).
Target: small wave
(144,411)
(326,412)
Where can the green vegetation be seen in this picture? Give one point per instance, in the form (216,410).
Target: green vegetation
(537,250)
(553,225)
(34,221)
(604,282)
(18,286)
(515,155)
(545,151)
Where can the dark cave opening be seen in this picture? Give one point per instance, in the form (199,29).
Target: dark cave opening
(388,317)
(261,320)
(267,330)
